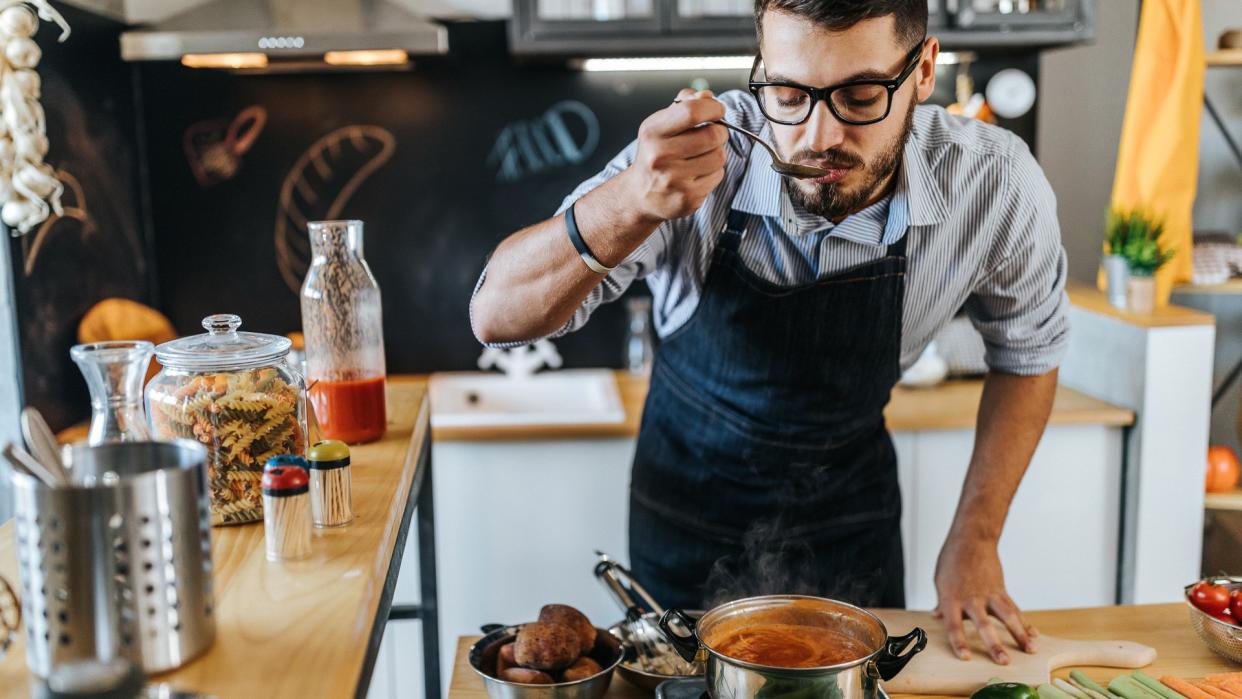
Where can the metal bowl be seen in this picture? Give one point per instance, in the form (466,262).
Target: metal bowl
(632,672)
(607,652)
(1223,638)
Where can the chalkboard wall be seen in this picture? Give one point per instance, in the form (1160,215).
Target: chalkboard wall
(442,161)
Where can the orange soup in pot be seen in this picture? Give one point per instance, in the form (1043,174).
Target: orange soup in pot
(787,645)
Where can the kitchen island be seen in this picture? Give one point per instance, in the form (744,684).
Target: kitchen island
(1165,627)
(494,486)
(309,628)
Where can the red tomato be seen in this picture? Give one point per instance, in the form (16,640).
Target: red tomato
(1226,617)
(1213,599)
(1235,603)
(1222,469)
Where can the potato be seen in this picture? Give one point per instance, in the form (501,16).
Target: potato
(580,670)
(574,619)
(505,658)
(547,647)
(523,675)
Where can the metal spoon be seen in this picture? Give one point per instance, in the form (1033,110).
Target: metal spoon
(787,169)
(794,170)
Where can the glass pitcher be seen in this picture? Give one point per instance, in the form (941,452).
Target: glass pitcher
(114,372)
(343,328)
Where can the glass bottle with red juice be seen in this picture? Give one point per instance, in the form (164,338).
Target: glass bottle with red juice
(343,327)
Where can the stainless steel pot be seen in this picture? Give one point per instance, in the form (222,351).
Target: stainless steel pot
(730,678)
(482,657)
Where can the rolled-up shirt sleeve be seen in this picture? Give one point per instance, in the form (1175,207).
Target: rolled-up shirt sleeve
(1019,303)
(636,265)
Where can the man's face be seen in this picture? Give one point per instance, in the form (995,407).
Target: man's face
(862,158)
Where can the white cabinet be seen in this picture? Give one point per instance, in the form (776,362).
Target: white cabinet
(1059,547)
(517,523)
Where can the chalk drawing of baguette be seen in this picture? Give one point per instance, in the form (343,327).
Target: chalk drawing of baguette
(319,185)
(74,207)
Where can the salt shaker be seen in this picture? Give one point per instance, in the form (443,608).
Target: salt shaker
(330,483)
(286,508)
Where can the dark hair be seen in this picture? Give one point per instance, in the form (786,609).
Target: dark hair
(910,16)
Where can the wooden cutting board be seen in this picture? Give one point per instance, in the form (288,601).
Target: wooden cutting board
(937,671)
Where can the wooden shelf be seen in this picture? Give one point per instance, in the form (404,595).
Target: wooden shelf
(1231,501)
(1224,58)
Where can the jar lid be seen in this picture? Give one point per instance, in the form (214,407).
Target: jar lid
(285,480)
(223,347)
(328,454)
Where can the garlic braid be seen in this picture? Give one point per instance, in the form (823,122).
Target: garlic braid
(29,189)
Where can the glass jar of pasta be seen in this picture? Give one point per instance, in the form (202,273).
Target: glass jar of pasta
(234,393)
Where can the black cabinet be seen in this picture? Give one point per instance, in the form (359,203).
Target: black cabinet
(632,27)
(689,27)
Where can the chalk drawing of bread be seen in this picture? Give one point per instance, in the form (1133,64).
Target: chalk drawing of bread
(73,205)
(319,185)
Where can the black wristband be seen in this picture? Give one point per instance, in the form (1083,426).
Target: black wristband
(580,245)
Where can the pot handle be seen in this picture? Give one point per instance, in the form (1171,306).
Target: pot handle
(488,628)
(891,661)
(687,646)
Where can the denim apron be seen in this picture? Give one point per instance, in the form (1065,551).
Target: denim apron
(763,463)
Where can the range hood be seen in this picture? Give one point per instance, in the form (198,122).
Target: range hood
(301,31)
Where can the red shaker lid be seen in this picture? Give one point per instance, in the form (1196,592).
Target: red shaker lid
(282,481)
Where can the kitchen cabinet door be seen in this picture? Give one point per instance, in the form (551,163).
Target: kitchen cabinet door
(711,15)
(1059,547)
(517,525)
(544,19)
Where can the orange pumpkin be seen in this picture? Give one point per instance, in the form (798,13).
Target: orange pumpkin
(1222,469)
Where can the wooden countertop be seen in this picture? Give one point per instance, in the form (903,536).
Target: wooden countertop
(1092,299)
(307,628)
(952,405)
(1164,627)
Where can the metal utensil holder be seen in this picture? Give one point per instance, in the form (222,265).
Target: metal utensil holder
(118,564)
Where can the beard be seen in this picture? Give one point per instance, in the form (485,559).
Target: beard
(831,200)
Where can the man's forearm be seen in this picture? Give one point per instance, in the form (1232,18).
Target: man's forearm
(536,279)
(1012,416)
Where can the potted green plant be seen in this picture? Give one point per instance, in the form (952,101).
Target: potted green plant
(1116,269)
(1135,235)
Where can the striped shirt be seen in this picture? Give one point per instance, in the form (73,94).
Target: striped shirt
(980,214)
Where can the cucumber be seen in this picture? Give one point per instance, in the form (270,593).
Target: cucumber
(1155,685)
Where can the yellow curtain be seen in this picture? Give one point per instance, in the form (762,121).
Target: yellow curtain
(1158,162)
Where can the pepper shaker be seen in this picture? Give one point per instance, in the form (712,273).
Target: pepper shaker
(286,509)
(330,483)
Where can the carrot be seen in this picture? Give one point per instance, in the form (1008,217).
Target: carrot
(1216,692)
(1229,684)
(1184,688)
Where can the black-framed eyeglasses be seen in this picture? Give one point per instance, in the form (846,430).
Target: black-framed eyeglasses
(857,102)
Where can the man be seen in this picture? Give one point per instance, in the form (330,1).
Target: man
(787,309)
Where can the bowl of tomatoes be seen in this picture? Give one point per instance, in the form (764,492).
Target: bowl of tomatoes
(1216,614)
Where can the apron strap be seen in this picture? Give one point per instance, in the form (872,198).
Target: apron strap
(734,229)
(898,249)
